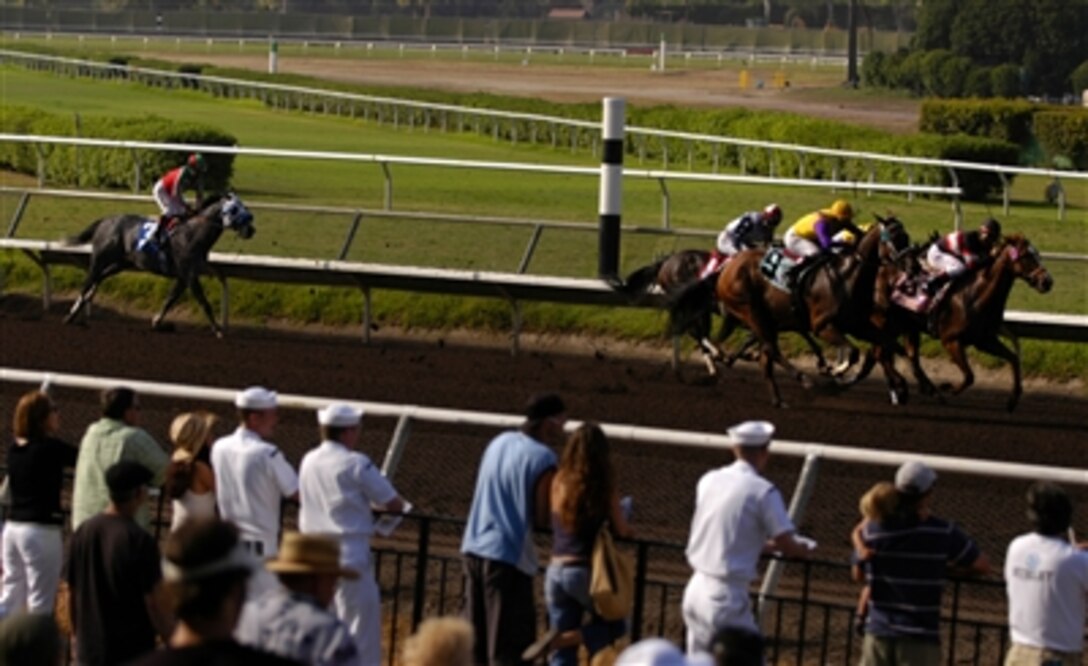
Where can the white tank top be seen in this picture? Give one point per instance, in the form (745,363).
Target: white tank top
(192,505)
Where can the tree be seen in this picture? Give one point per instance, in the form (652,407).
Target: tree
(935,23)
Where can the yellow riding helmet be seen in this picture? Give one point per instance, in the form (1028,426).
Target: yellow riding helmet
(842,210)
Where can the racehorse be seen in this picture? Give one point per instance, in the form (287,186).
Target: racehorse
(833,297)
(672,274)
(113,249)
(973,311)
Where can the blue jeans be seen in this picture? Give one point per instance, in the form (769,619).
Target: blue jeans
(566,588)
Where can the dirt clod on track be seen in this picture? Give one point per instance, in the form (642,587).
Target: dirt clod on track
(439,468)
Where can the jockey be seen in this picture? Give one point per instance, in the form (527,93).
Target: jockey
(170,189)
(961,251)
(815,233)
(751,230)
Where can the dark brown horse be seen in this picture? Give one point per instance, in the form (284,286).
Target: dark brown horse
(836,299)
(973,312)
(671,275)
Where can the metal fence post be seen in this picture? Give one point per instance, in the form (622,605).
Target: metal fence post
(420,587)
(396,446)
(387,198)
(641,559)
(352,230)
(1004,192)
(527,256)
(17,216)
(801,494)
(665,204)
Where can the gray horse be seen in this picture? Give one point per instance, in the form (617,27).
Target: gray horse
(115,247)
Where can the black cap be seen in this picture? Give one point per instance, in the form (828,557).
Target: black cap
(543,405)
(125,476)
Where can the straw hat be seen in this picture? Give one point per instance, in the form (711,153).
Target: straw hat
(309,554)
(189,432)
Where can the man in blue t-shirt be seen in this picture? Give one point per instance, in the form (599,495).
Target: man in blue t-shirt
(906,558)
(500,560)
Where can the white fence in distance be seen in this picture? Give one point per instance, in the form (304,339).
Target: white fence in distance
(240,87)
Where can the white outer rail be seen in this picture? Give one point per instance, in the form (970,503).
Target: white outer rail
(626,432)
(570,122)
(651,174)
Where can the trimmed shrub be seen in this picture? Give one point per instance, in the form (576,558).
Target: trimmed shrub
(909,73)
(1079,78)
(952,77)
(1005,81)
(1064,133)
(109,167)
(977,84)
(874,69)
(930,70)
(995,119)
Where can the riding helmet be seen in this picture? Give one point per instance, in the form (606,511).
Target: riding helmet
(992,228)
(772,214)
(196,161)
(842,209)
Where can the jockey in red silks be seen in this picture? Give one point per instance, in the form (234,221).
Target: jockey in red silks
(169,192)
(751,230)
(961,251)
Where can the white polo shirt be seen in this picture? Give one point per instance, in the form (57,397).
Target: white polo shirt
(251,479)
(1046,580)
(337,488)
(736,512)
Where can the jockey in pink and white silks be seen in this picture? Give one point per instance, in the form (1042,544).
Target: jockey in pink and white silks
(961,251)
(751,230)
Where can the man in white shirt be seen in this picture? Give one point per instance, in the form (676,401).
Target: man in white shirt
(739,515)
(1046,578)
(339,485)
(251,475)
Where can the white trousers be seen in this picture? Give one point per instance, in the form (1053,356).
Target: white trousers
(32,558)
(168,204)
(946,263)
(799,245)
(711,604)
(359,606)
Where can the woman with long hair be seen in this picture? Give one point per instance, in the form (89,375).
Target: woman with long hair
(190,482)
(583,499)
(32,548)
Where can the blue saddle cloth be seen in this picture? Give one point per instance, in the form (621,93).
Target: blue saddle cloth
(148,244)
(776,266)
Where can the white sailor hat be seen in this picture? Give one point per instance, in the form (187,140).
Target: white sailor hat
(660,652)
(752,433)
(339,415)
(255,397)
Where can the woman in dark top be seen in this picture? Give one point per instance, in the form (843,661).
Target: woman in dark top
(583,498)
(32,548)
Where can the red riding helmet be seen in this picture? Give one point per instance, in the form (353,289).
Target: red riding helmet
(197,163)
(772,215)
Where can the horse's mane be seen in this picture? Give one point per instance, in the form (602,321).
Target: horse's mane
(208,201)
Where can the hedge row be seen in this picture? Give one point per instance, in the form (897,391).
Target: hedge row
(107,167)
(1064,134)
(1004,120)
(941,73)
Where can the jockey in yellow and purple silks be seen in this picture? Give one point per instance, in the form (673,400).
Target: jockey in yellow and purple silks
(815,232)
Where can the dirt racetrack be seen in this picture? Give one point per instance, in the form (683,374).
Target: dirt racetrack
(438,469)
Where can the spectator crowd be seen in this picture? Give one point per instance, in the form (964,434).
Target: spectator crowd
(226,587)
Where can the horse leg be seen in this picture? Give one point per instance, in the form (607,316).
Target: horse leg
(995,347)
(175,293)
(959,356)
(898,389)
(711,354)
(821,362)
(913,348)
(766,361)
(835,337)
(198,294)
(95,275)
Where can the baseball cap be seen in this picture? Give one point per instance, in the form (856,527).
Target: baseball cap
(255,397)
(660,652)
(339,415)
(914,477)
(544,405)
(752,433)
(125,476)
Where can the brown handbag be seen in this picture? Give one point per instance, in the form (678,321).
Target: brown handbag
(612,578)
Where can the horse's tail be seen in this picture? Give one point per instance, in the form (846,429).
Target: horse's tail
(640,280)
(86,235)
(691,302)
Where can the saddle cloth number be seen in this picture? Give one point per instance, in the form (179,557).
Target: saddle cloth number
(775,265)
(144,237)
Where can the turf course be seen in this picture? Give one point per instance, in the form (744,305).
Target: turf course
(699,206)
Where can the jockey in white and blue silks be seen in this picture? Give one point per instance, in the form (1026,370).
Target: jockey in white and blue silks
(751,230)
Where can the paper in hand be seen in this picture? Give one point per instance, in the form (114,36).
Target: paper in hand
(385,525)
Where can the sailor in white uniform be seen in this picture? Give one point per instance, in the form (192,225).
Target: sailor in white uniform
(339,487)
(739,515)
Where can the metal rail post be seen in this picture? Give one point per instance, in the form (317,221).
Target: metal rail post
(387,197)
(396,446)
(666,204)
(801,494)
(17,217)
(527,256)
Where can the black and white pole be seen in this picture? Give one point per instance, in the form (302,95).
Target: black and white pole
(608,246)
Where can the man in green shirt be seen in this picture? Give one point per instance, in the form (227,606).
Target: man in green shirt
(111,439)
